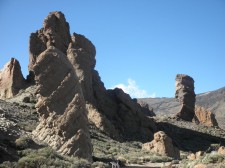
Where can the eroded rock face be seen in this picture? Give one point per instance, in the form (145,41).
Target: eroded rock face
(185,95)
(69,90)
(55,32)
(63,116)
(205,117)
(162,144)
(11,79)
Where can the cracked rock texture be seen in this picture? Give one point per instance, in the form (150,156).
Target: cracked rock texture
(205,117)
(185,95)
(163,145)
(71,94)
(63,115)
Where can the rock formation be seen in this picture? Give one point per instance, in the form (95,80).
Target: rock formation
(205,117)
(221,150)
(11,79)
(163,145)
(185,95)
(55,32)
(69,90)
(63,115)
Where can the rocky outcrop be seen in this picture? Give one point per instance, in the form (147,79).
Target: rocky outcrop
(61,105)
(146,109)
(63,116)
(205,117)
(69,90)
(163,145)
(55,32)
(185,95)
(11,79)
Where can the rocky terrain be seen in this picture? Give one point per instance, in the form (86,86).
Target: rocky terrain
(213,101)
(61,115)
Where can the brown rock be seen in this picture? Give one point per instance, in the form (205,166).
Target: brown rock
(186,96)
(221,150)
(162,144)
(115,111)
(81,54)
(63,116)
(11,79)
(55,32)
(69,88)
(205,117)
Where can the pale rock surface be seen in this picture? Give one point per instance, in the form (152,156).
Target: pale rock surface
(221,150)
(185,95)
(11,79)
(194,156)
(201,165)
(163,145)
(191,156)
(205,117)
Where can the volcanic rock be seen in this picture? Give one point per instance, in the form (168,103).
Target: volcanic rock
(112,111)
(63,116)
(55,32)
(162,144)
(69,89)
(11,79)
(185,95)
(205,117)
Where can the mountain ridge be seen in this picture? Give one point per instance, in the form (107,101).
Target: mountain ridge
(212,100)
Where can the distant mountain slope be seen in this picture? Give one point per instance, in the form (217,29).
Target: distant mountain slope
(214,101)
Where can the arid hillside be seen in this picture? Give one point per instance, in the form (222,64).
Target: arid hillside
(214,101)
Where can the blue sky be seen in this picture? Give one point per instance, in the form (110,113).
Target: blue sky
(141,44)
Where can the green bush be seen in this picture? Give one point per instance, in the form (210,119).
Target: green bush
(213,158)
(46,157)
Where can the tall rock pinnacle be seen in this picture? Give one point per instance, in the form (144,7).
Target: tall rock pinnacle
(11,79)
(71,94)
(61,105)
(186,96)
(55,32)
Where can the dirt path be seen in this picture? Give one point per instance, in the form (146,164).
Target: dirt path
(151,165)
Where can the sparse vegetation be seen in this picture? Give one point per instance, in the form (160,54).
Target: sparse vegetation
(128,152)
(213,158)
(44,158)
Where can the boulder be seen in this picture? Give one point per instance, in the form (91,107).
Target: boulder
(191,157)
(205,117)
(163,145)
(11,79)
(185,95)
(194,156)
(221,150)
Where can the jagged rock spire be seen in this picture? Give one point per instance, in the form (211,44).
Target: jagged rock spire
(11,79)
(55,32)
(185,94)
(61,105)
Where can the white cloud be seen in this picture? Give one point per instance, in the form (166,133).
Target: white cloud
(133,90)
